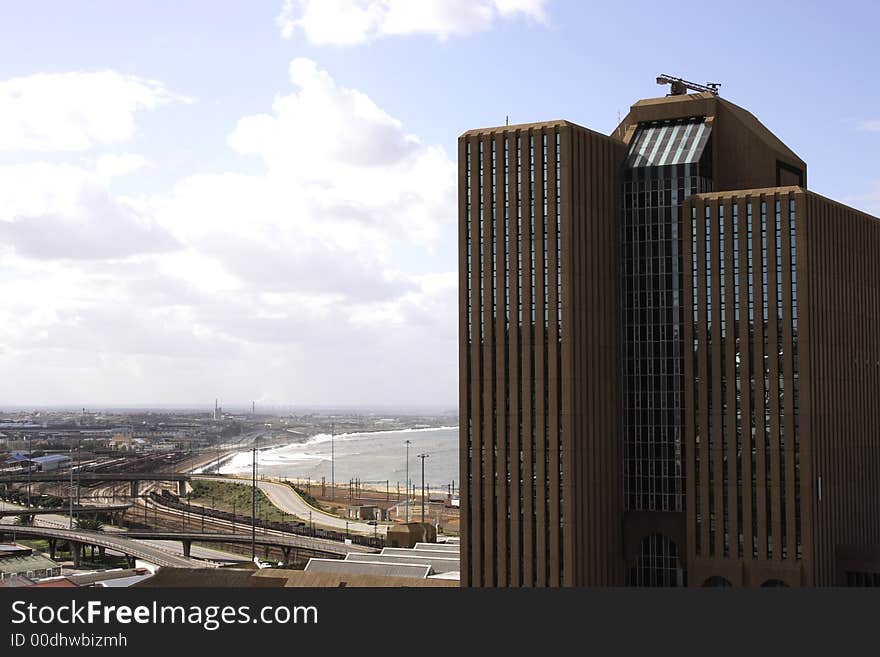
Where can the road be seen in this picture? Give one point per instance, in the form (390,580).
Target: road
(112,541)
(196,552)
(286,499)
(170,547)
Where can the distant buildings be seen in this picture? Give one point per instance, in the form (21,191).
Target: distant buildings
(21,561)
(51,462)
(121,441)
(669,357)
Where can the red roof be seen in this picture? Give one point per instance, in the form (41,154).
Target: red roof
(62,583)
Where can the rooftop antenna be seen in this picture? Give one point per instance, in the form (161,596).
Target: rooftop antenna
(679,86)
(506,119)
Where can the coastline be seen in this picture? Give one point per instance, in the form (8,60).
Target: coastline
(315,449)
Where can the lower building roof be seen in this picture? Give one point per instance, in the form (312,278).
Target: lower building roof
(384,569)
(22,564)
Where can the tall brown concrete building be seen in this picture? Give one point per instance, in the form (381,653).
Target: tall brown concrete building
(669,361)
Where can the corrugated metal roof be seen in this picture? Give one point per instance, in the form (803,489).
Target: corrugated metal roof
(51,458)
(368,568)
(662,143)
(295,578)
(438,547)
(440,565)
(424,553)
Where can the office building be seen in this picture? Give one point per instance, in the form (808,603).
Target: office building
(668,350)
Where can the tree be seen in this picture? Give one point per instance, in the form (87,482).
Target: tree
(91,524)
(24,520)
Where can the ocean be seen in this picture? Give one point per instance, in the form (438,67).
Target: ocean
(372,457)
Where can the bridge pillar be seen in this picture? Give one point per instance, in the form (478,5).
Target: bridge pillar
(187,548)
(130,560)
(101,549)
(52,543)
(181,488)
(134,488)
(286,552)
(75,552)
(265,551)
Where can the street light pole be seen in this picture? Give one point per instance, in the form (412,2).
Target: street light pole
(332,473)
(254,506)
(29,466)
(423,457)
(70,494)
(78,468)
(406,486)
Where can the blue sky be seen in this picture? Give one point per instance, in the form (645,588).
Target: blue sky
(197,311)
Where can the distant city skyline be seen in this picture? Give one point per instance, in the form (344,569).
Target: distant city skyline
(236,408)
(258,202)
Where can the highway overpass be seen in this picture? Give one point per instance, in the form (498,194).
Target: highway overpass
(114,510)
(117,542)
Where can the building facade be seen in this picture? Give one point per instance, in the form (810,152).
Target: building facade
(640,393)
(539,248)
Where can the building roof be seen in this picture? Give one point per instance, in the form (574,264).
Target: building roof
(437,564)
(123,582)
(440,554)
(518,127)
(438,547)
(86,579)
(790,189)
(55,583)
(452,576)
(51,458)
(19,564)
(300,578)
(209,578)
(383,569)
(14,581)
(703,104)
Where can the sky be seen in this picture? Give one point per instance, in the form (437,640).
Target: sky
(257,201)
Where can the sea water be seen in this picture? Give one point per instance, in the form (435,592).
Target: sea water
(373,457)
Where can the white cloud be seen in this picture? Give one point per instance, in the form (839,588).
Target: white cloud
(342,176)
(350,22)
(61,211)
(870,125)
(112,165)
(300,284)
(74,111)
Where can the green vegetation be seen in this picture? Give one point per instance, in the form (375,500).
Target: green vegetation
(24,520)
(306,496)
(36,499)
(91,524)
(223,496)
(38,544)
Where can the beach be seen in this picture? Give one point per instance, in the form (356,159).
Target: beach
(372,457)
